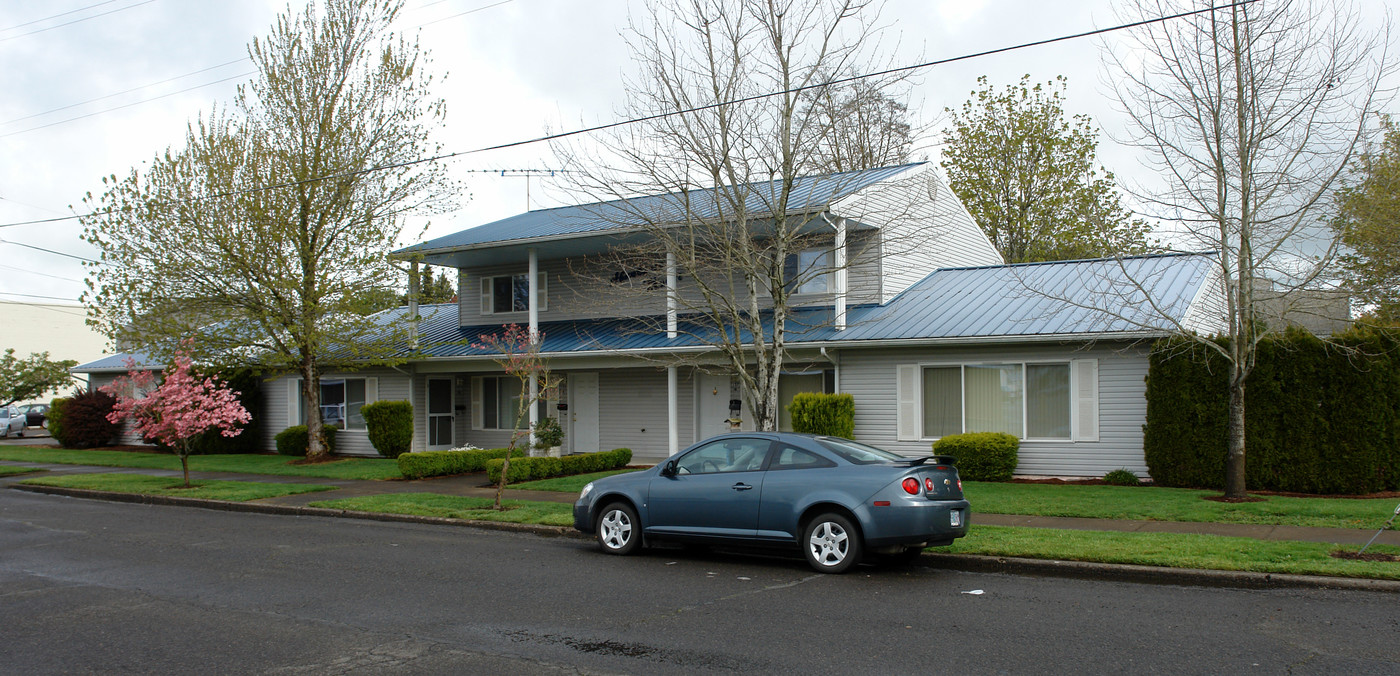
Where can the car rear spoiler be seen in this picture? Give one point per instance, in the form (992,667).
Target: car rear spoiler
(934,459)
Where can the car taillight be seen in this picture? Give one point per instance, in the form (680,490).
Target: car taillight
(911,485)
(959,484)
(928,484)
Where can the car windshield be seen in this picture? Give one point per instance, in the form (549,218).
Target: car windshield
(857,453)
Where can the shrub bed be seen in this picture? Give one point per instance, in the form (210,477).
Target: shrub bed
(293,441)
(83,421)
(832,415)
(55,418)
(526,469)
(981,456)
(390,426)
(445,463)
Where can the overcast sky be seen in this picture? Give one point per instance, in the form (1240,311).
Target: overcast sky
(93,88)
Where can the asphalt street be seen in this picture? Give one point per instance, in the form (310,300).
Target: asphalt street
(104,587)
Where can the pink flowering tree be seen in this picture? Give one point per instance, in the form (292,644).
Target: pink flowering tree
(520,357)
(179,409)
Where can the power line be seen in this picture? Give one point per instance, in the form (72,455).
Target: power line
(47,306)
(41,274)
(128,91)
(70,23)
(35,295)
(126,105)
(55,16)
(470,11)
(39,248)
(659,116)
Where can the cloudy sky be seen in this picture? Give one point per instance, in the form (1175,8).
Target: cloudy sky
(94,88)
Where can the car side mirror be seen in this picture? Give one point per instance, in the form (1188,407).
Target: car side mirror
(669,469)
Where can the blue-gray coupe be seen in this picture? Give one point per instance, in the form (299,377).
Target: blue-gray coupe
(834,498)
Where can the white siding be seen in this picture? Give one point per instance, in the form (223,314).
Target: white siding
(128,435)
(392,385)
(923,227)
(1206,314)
(870,375)
(632,411)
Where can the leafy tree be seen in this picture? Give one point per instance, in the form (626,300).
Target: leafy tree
(433,288)
(266,238)
(1028,175)
(32,376)
(858,127)
(1249,113)
(521,359)
(1368,222)
(178,410)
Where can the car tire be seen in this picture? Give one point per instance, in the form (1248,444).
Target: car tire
(831,543)
(618,529)
(20,433)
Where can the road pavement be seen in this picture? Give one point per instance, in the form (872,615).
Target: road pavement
(118,588)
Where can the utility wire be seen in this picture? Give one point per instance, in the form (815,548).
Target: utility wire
(35,295)
(658,116)
(126,105)
(55,16)
(70,23)
(39,248)
(41,274)
(128,91)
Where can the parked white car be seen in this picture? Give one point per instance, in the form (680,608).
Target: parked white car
(11,420)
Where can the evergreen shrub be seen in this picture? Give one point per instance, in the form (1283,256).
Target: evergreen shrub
(832,415)
(293,440)
(84,423)
(390,426)
(447,463)
(526,469)
(55,418)
(248,384)
(981,456)
(1121,477)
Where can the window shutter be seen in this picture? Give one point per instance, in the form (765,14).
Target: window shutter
(477,413)
(907,421)
(542,294)
(371,390)
(1085,382)
(486,295)
(293,401)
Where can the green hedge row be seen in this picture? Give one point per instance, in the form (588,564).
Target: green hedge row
(526,469)
(1319,418)
(981,456)
(832,415)
(293,440)
(444,463)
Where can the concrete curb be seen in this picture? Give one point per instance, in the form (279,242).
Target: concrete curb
(1115,572)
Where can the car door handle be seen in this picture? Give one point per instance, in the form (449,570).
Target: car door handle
(742,487)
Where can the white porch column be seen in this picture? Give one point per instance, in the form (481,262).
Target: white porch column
(672,411)
(840,261)
(671,303)
(532,283)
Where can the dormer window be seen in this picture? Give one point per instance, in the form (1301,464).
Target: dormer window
(510,293)
(808,272)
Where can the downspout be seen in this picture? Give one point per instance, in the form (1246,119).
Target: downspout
(839,262)
(533,285)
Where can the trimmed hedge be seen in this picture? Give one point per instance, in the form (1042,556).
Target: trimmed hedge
(981,456)
(444,463)
(1319,418)
(832,415)
(55,418)
(293,441)
(526,469)
(84,422)
(390,426)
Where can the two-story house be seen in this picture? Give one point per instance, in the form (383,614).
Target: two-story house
(918,319)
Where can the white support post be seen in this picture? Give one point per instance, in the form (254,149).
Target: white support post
(840,260)
(413,292)
(532,283)
(671,301)
(672,411)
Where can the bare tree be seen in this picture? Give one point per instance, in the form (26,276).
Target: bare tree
(1249,113)
(729,231)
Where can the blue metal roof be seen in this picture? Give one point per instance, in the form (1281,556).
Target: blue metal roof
(810,193)
(118,362)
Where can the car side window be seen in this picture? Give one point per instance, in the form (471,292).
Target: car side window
(725,455)
(791,457)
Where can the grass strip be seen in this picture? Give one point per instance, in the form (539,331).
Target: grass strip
(458,507)
(143,484)
(6,470)
(1173,504)
(1174,550)
(568,484)
(276,465)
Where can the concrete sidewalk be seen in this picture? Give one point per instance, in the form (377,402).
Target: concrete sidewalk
(474,485)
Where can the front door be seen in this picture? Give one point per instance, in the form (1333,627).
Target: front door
(439,414)
(583,412)
(713,396)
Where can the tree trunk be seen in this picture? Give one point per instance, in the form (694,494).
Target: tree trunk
(1234,457)
(185,462)
(311,394)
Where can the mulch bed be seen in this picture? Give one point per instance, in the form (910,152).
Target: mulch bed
(1393,495)
(1366,556)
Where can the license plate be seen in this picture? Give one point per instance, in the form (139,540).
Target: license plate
(955,518)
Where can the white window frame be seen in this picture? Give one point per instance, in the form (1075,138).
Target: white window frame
(488,295)
(825,259)
(1083,397)
(296,414)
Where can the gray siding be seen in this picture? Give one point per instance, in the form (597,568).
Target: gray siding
(870,376)
(128,435)
(632,411)
(391,385)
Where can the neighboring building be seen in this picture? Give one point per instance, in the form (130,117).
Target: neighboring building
(931,339)
(60,330)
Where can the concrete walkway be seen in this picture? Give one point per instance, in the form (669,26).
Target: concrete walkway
(474,485)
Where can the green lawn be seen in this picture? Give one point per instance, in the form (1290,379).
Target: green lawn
(234,491)
(457,507)
(1172,504)
(1173,550)
(6,470)
(567,484)
(349,468)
